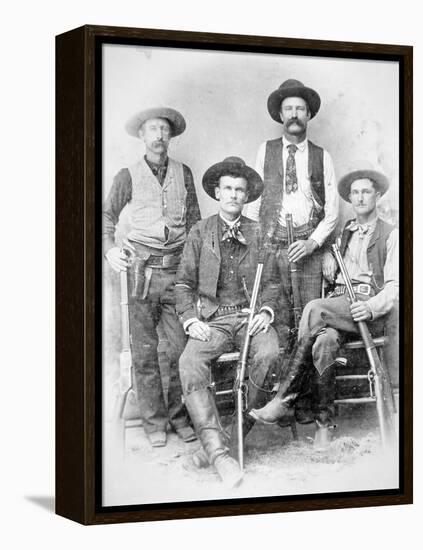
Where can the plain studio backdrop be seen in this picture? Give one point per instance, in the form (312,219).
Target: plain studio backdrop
(27,402)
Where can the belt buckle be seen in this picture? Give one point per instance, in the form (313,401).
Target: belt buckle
(363,288)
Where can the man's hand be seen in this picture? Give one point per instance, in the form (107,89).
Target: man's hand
(260,323)
(117,259)
(329,266)
(360,311)
(199,331)
(301,249)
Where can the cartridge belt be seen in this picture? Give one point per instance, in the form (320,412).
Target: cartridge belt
(302,232)
(361,288)
(222,311)
(158,258)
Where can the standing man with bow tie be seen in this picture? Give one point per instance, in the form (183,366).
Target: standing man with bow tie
(213,289)
(299,179)
(369,247)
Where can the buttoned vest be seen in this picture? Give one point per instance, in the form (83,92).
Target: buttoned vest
(376,251)
(271,203)
(154,207)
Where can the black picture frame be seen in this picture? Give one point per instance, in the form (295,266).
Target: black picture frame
(78,263)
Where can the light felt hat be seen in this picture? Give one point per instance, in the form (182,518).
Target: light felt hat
(175,119)
(362,170)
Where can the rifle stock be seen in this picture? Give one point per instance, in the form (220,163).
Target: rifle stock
(383,391)
(239,386)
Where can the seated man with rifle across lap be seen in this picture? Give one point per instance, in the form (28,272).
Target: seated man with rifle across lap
(216,286)
(368,253)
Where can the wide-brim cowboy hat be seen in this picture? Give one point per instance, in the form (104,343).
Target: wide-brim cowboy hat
(292,88)
(175,119)
(362,171)
(236,167)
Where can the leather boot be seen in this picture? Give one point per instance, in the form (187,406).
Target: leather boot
(281,404)
(324,410)
(202,409)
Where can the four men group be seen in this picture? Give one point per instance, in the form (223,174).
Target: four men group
(194,278)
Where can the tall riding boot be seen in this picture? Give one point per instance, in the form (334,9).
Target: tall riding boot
(281,404)
(324,408)
(202,409)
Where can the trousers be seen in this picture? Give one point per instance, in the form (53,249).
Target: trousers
(310,282)
(145,315)
(323,320)
(226,333)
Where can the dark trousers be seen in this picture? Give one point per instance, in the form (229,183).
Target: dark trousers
(159,305)
(226,333)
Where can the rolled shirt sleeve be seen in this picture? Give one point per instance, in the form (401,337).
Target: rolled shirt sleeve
(119,195)
(384,301)
(328,223)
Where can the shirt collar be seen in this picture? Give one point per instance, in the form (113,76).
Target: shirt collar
(227,222)
(371,225)
(154,165)
(301,146)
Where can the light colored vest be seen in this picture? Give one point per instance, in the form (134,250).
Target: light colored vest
(154,207)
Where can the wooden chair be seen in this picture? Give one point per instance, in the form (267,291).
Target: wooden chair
(355,379)
(222,377)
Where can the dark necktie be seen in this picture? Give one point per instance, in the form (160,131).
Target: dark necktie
(234,233)
(291,170)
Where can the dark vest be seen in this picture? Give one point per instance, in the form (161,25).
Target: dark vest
(376,251)
(271,202)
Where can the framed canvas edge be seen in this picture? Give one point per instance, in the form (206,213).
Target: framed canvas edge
(76,444)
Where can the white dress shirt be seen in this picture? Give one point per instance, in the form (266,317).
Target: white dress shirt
(301,202)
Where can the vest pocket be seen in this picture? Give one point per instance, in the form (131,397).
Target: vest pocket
(177,213)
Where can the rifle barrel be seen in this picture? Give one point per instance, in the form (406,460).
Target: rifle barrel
(242,365)
(380,379)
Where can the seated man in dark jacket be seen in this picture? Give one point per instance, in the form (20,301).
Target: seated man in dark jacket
(369,247)
(213,287)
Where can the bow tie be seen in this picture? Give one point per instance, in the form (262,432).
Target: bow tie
(234,233)
(362,228)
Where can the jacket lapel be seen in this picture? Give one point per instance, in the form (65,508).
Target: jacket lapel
(212,238)
(248,230)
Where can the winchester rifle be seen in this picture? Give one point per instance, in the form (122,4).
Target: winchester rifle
(124,382)
(377,374)
(240,387)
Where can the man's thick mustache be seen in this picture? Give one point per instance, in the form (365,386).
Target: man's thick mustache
(294,121)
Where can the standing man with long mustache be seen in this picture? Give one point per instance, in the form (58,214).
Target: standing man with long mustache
(299,179)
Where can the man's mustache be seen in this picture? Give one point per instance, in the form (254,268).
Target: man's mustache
(295,121)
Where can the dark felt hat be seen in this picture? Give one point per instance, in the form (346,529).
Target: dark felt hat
(362,170)
(236,167)
(292,88)
(175,119)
